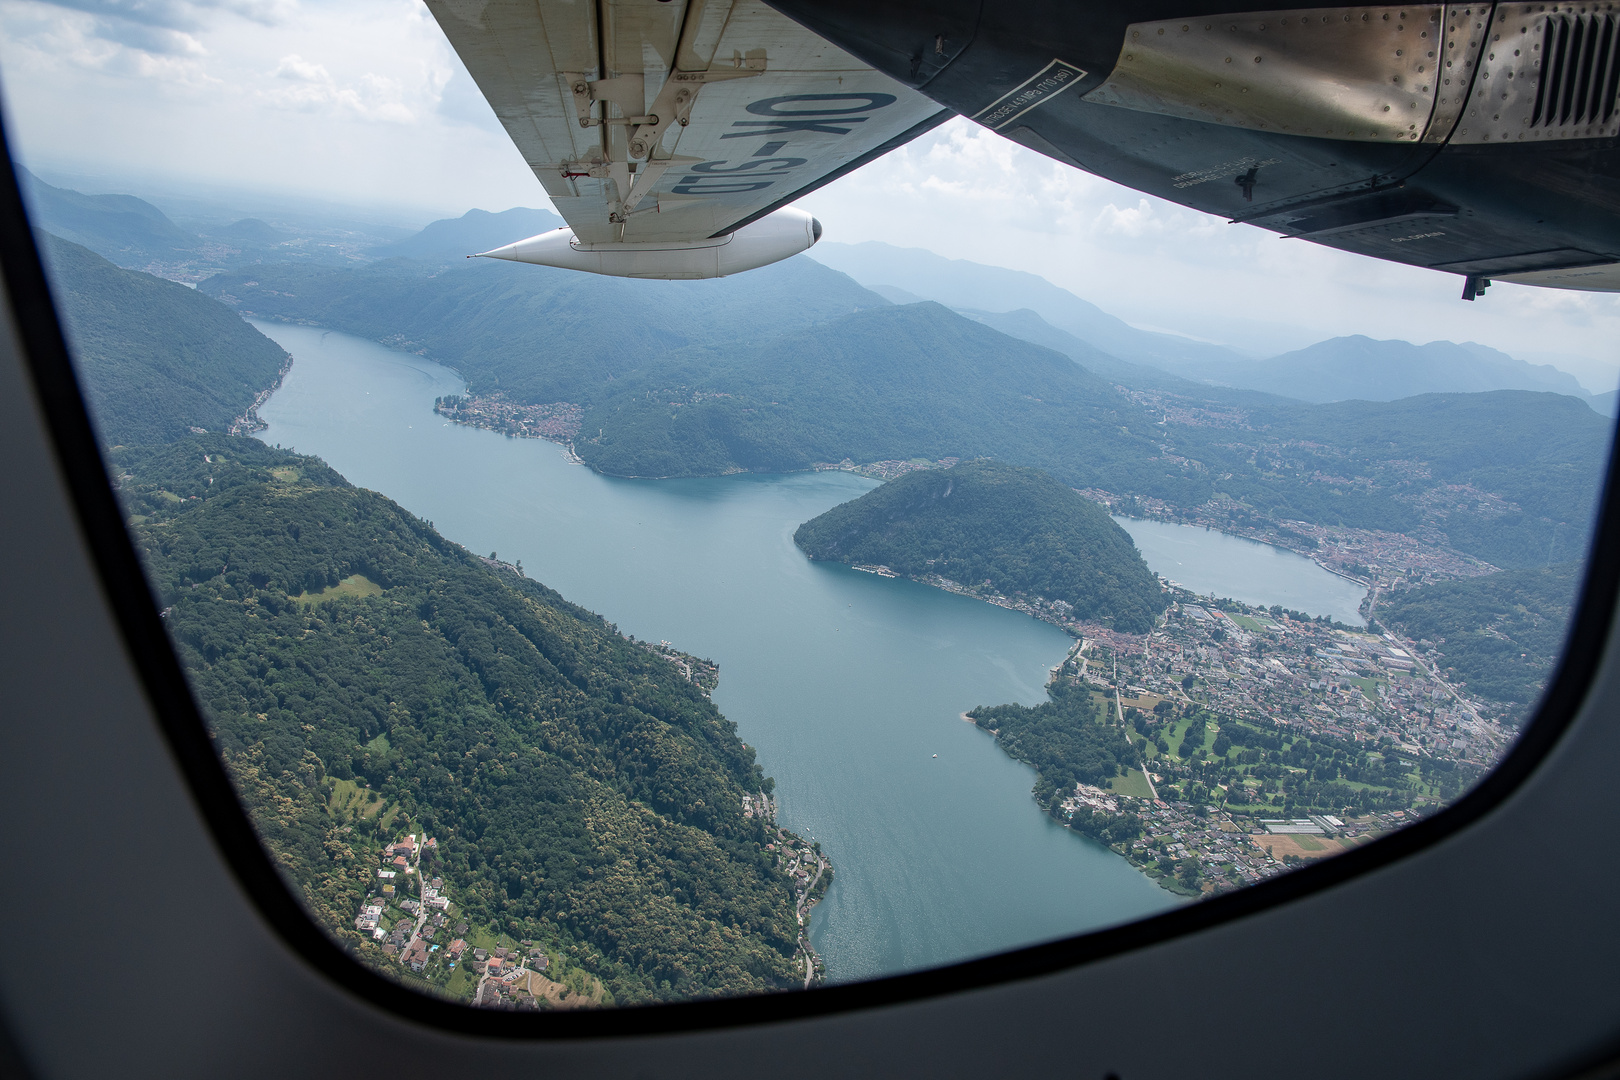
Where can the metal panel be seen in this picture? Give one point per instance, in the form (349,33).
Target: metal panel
(1365,74)
(1603,278)
(754,107)
(1550,72)
(1528,262)
(1463,31)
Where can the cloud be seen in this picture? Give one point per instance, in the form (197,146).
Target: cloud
(148,36)
(313,89)
(461,102)
(183,15)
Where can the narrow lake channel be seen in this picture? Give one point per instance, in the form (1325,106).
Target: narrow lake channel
(847,684)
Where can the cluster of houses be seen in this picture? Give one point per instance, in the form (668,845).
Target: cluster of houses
(505,976)
(1092,796)
(409,938)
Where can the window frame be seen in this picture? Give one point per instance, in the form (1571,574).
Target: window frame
(124,584)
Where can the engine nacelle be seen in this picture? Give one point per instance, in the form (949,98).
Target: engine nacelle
(772,238)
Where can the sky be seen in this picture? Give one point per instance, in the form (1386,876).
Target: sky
(363,103)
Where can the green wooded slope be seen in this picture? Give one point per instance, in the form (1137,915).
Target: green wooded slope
(1011,529)
(583,793)
(1499,634)
(155,358)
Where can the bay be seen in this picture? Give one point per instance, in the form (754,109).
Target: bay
(847,684)
(1232,567)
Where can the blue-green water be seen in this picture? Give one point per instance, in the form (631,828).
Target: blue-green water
(847,684)
(1230,567)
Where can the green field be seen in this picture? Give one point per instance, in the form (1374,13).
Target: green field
(1369,687)
(1133,784)
(461,982)
(353,585)
(1253,625)
(349,798)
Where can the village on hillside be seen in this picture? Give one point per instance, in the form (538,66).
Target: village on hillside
(406,913)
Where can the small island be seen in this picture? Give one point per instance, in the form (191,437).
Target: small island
(998,531)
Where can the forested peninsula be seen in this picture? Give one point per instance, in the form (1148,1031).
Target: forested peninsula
(363,674)
(995,528)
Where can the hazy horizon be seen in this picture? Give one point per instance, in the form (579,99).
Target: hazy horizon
(362,105)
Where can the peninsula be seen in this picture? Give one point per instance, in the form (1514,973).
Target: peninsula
(1000,531)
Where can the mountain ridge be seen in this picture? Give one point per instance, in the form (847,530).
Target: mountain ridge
(473,232)
(156,359)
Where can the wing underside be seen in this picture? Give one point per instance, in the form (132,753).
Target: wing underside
(649,122)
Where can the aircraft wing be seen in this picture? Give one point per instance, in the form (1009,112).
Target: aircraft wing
(675,122)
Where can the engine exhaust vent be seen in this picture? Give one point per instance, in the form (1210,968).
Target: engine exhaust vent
(1546,74)
(1581,71)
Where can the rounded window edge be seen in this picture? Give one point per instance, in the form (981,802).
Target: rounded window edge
(37,330)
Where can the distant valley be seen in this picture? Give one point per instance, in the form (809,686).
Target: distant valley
(798,366)
(795,366)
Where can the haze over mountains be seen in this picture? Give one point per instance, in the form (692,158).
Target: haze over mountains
(136,234)
(1025,306)
(797,364)
(971,286)
(471,233)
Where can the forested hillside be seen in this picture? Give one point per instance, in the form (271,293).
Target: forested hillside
(1500,634)
(156,358)
(129,230)
(1014,530)
(897,382)
(584,794)
(794,364)
(538,333)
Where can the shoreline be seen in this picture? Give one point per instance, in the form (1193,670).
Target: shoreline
(886,470)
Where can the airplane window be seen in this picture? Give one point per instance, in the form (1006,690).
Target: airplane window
(786,562)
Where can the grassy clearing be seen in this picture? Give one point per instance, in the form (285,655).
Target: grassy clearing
(350,800)
(461,982)
(355,585)
(1133,784)
(286,474)
(1369,687)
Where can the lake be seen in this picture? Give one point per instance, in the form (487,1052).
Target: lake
(1234,568)
(848,685)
